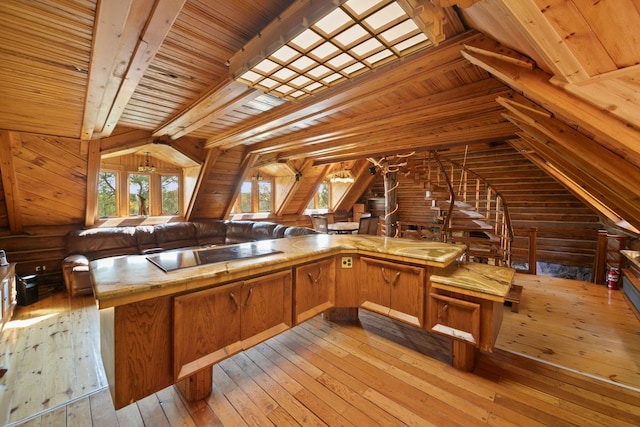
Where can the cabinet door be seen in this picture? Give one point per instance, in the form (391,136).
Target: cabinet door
(266,307)
(395,290)
(454,318)
(206,328)
(314,289)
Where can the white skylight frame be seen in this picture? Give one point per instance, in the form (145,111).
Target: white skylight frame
(355,37)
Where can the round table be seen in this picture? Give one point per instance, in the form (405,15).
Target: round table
(343,227)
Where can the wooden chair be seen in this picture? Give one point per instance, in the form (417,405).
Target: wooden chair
(373,225)
(363,226)
(320,223)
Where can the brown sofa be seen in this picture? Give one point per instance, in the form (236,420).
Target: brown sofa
(84,246)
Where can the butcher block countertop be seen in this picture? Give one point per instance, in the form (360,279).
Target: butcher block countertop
(131,278)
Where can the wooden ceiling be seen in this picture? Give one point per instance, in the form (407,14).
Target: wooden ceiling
(556,78)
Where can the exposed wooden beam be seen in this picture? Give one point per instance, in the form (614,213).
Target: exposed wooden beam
(432,111)
(93,171)
(207,167)
(9,141)
(609,131)
(156,27)
(428,17)
(243,172)
(218,102)
(109,31)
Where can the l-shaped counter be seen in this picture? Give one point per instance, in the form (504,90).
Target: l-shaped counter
(162,327)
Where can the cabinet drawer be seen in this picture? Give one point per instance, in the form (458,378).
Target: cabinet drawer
(454,318)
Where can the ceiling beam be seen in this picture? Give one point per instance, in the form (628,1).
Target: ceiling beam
(128,33)
(614,134)
(217,102)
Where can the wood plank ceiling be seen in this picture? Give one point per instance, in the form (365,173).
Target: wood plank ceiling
(550,76)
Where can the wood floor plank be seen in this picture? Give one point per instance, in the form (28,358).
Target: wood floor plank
(151,411)
(102,411)
(286,402)
(79,413)
(173,407)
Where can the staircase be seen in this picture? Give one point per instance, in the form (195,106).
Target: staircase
(467,211)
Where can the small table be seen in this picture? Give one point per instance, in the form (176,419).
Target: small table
(343,227)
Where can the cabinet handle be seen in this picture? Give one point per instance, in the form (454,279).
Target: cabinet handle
(442,311)
(387,279)
(233,298)
(312,280)
(246,303)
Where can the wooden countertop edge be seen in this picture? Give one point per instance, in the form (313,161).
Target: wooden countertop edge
(134,293)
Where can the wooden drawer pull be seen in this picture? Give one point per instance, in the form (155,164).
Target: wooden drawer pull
(387,279)
(314,281)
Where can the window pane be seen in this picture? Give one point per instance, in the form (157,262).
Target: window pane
(264,196)
(323,196)
(170,191)
(245,197)
(107,194)
(138,194)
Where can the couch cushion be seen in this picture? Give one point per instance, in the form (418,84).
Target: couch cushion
(263,230)
(102,242)
(210,232)
(175,235)
(238,232)
(298,231)
(145,237)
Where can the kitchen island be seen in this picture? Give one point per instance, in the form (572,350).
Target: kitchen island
(162,327)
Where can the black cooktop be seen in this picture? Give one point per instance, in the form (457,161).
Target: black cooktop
(175,260)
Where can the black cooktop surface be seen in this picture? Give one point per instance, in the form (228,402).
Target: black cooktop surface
(174,260)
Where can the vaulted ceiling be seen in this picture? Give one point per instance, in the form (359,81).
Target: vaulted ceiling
(557,79)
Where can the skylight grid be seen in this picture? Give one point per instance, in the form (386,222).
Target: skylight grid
(357,36)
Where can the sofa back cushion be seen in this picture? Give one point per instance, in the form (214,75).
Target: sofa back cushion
(145,237)
(264,230)
(210,232)
(298,231)
(238,232)
(102,242)
(175,235)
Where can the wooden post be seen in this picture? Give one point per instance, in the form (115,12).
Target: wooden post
(533,259)
(391,203)
(197,386)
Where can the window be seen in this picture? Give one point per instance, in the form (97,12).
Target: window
(107,194)
(138,194)
(245,197)
(170,200)
(264,196)
(320,200)
(255,196)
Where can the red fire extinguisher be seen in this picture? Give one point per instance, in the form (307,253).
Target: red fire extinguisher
(613,277)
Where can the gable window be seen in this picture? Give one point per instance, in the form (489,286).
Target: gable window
(321,198)
(255,196)
(107,194)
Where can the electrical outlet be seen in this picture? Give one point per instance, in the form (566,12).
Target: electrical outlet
(38,268)
(347,262)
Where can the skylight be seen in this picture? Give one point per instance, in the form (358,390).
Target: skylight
(350,39)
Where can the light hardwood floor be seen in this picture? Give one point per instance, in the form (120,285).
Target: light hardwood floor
(545,371)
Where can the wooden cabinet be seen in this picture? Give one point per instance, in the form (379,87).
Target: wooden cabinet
(7,293)
(315,289)
(454,318)
(212,324)
(395,290)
